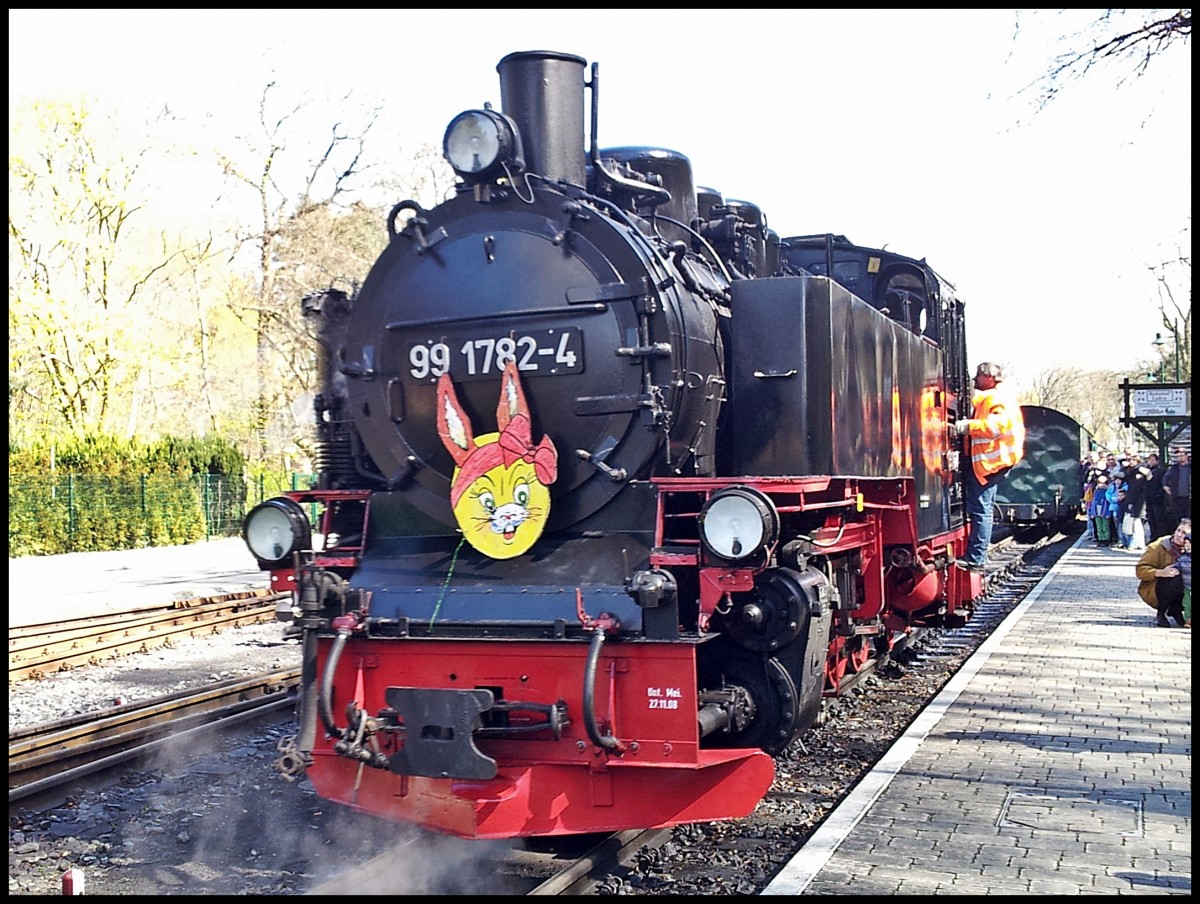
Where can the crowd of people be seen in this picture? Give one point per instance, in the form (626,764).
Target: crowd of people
(1144,505)
(1124,499)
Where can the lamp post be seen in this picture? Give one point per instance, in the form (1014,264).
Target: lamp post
(1159,342)
(1175,336)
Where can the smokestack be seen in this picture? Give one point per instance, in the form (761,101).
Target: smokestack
(542,91)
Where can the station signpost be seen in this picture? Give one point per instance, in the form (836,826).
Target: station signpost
(1162,412)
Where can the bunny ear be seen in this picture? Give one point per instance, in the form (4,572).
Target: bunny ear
(454,427)
(512,397)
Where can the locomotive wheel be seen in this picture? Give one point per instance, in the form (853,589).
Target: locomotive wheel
(771,615)
(776,703)
(835,665)
(859,654)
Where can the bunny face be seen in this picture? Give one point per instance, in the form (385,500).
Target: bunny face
(503,510)
(500,488)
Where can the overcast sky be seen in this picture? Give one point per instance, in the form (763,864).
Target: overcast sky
(897,128)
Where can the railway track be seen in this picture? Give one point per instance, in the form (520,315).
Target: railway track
(35,651)
(44,757)
(563,865)
(580,875)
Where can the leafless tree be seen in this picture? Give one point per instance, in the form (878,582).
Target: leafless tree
(88,278)
(1091,397)
(1124,41)
(1055,387)
(314,228)
(287,182)
(1173,281)
(1122,44)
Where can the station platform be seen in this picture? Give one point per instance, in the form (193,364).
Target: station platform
(81,584)
(1057,761)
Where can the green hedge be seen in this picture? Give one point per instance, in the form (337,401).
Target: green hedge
(105,493)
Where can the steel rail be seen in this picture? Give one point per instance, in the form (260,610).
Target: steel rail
(35,651)
(53,753)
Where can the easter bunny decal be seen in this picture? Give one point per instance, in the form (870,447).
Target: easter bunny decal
(500,487)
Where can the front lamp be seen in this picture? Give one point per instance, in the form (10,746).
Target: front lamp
(276,529)
(737,523)
(480,143)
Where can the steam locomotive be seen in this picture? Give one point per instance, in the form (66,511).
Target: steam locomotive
(616,485)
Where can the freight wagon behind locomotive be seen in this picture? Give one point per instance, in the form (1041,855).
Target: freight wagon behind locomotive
(1044,491)
(614,488)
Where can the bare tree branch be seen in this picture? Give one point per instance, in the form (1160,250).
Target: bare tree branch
(1125,39)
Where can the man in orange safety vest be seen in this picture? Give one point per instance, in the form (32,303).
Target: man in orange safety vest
(996,442)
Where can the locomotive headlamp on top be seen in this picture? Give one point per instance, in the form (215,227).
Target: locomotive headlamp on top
(737,523)
(480,144)
(276,529)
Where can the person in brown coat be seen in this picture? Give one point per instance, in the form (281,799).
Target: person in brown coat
(1160,582)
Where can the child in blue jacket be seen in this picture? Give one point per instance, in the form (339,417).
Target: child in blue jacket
(1098,512)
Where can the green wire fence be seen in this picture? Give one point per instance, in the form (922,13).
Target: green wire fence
(77,513)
